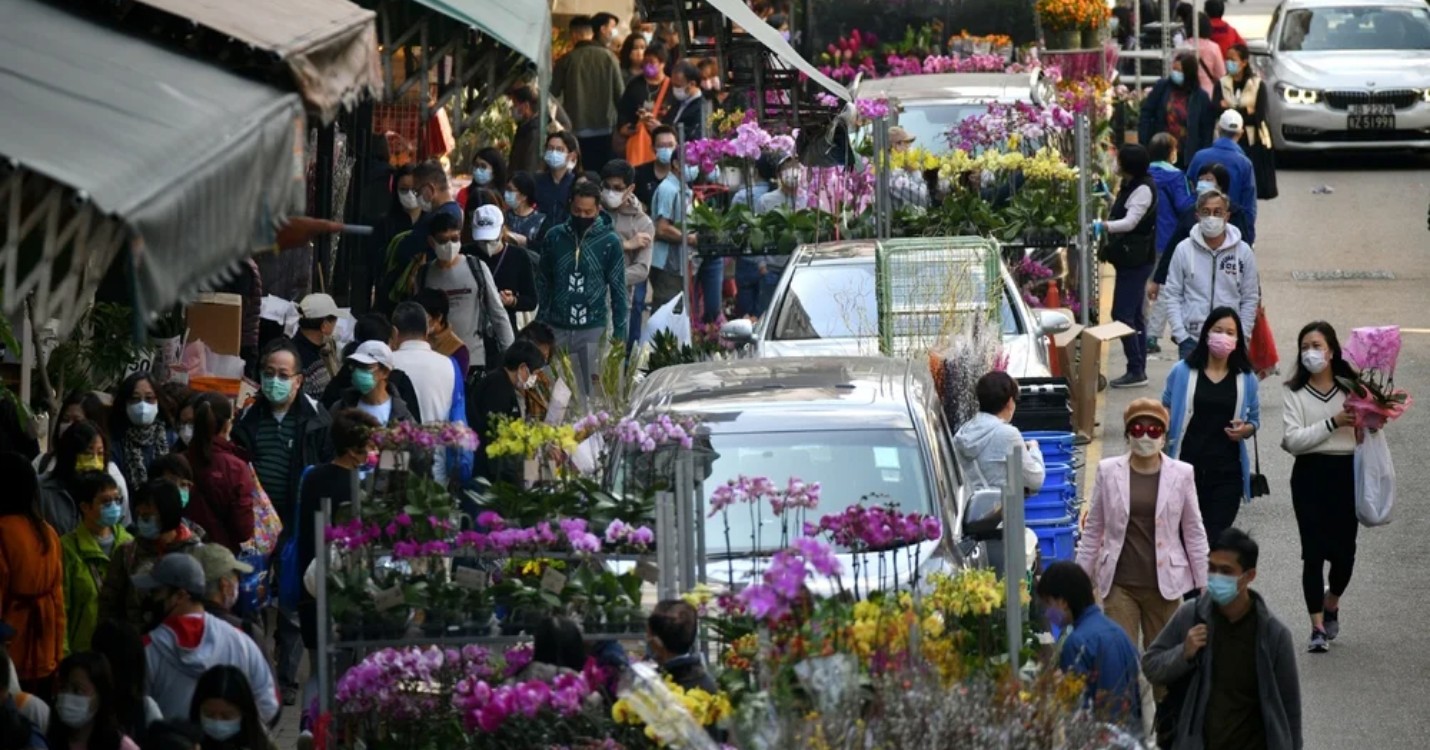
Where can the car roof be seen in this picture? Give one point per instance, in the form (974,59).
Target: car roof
(828,253)
(946,86)
(1313,4)
(790,394)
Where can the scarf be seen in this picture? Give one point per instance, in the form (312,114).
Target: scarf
(138,442)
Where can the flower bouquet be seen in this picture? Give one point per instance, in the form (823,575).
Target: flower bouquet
(1373,398)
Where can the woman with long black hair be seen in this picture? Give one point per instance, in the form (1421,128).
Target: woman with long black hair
(123,646)
(224,485)
(223,706)
(84,717)
(138,427)
(1320,433)
(1214,408)
(81,450)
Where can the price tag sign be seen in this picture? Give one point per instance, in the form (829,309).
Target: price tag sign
(388,598)
(469,578)
(553,581)
(648,572)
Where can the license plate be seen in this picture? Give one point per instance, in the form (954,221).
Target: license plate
(1370,117)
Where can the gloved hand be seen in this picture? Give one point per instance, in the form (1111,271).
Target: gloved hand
(1098,228)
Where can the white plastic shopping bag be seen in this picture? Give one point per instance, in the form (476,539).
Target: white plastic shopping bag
(672,317)
(1375,480)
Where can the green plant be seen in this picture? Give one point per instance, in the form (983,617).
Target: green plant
(1038,209)
(98,352)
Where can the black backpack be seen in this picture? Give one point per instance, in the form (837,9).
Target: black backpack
(1169,709)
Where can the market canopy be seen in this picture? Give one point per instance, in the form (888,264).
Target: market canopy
(522,25)
(329,46)
(111,142)
(739,13)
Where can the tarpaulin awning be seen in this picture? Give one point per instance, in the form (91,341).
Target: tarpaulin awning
(196,164)
(522,25)
(329,46)
(740,13)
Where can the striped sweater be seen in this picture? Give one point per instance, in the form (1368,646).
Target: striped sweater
(575,278)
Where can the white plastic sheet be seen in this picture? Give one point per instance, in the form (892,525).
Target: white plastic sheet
(1375,480)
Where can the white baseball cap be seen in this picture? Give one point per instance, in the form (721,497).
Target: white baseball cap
(318,306)
(487,223)
(372,353)
(1230,121)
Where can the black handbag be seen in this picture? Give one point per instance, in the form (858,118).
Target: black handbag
(1127,250)
(1259,486)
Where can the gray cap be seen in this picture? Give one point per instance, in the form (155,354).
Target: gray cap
(176,570)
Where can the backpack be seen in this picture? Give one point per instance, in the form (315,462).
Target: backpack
(393,289)
(491,345)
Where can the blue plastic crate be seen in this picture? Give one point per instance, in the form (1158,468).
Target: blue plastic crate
(1054,493)
(1057,538)
(1036,510)
(1064,439)
(1058,474)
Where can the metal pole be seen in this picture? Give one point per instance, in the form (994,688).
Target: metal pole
(1166,38)
(685,525)
(1014,553)
(883,208)
(325,659)
(1084,220)
(665,534)
(679,168)
(323,186)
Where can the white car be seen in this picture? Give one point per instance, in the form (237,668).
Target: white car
(1347,74)
(931,105)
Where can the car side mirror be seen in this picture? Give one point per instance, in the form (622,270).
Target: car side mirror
(1258,48)
(739,331)
(984,514)
(1052,322)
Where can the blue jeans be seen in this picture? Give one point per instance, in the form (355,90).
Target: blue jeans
(709,277)
(638,295)
(754,289)
(1129,295)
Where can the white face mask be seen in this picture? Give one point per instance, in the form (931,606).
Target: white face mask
(490,247)
(1212,226)
(446,251)
(1314,360)
(423,203)
(142,413)
(75,710)
(612,199)
(789,177)
(680,94)
(408,199)
(186,433)
(1144,446)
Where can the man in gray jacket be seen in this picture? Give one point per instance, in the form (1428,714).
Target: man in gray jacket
(1211,268)
(1242,689)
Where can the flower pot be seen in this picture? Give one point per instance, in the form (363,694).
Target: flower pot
(1091,38)
(479,624)
(1065,39)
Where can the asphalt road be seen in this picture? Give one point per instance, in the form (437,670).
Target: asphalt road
(1370,690)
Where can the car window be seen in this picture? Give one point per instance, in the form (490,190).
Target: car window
(1012,326)
(832,301)
(929,124)
(1355,28)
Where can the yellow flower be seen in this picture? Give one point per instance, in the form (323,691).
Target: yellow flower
(699,596)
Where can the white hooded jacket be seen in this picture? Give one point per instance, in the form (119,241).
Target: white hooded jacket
(1201,279)
(184,647)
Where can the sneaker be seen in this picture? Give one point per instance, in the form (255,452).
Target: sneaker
(1331,621)
(1319,644)
(1130,380)
(1153,347)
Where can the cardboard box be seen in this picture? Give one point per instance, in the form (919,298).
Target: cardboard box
(217,320)
(1082,371)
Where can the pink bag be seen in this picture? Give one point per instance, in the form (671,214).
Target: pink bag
(267,526)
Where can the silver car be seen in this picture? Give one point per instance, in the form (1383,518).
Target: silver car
(1347,74)
(931,105)
(826,305)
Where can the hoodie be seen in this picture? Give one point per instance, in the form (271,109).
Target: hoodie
(1174,197)
(577,273)
(1201,279)
(982,446)
(629,220)
(180,650)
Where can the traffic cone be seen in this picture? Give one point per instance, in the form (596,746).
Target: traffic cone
(1052,300)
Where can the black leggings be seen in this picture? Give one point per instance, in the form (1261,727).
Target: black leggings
(1324,497)
(1219,498)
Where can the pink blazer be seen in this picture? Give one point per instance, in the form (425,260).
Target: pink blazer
(1179,568)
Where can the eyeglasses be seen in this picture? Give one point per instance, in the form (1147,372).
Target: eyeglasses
(1140,429)
(1219,213)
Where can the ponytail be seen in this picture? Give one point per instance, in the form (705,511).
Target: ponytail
(211,412)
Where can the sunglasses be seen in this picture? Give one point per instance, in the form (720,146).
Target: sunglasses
(1153,431)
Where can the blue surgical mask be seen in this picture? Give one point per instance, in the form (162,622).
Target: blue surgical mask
(221,729)
(277,390)
(364,381)
(1222,587)
(692,173)
(1056,617)
(482,176)
(183,497)
(511,197)
(664,154)
(147,528)
(555,159)
(111,515)
(1177,78)
(1205,186)
(1232,67)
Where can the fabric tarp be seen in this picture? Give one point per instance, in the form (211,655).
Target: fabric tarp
(522,25)
(329,46)
(200,164)
(740,13)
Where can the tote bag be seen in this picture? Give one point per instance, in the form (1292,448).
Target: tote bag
(639,148)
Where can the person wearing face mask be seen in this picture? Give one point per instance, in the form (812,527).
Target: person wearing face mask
(1320,432)
(187,641)
(1211,268)
(1243,92)
(158,530)
(1235,657)
(636,230)
(439,333)
(371,392)
(406,252)
(222,573)
(527,145)
(1212,177)
(371,326)
(31,579)
(562,162)
(1225,151)
(224,708)
(80,452)
(84,716)
(511,272)
(645,99)
(1174,198)
(1214,409)
(632,56)
(317,349)
(668,205)
(137,430)
(475,310)
(489,172)
(1096,648)
(499,396)
(1177,105)
(688,112)
(221,500)
(1142,566)
(981,445)
(524,224)
(1131,249)
(87,551)
(588,81)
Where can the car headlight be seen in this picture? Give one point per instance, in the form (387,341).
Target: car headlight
(1425,95)
(1294,95)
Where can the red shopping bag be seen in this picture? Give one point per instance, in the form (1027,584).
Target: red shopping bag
(1263,346)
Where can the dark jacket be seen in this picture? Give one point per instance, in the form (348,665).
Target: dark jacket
(1182,232)
(119,599)
(526,146)
(396,380)
(400,412)
(589,83)
(553,198)
(512,271)
(1201,119)
(222,501)
(1278,685)
(1174,197)
(493,397)
(574,286)
(1224,151)
(688,117)
(688,672)
(314,444)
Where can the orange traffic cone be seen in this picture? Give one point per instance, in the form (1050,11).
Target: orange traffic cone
(1052,299)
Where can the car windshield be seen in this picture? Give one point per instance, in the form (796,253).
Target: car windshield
(1355,28)
(929,123)
(838,301)
(884,466)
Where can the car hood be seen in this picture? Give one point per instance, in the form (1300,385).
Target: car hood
(1358,69)
(1023,360)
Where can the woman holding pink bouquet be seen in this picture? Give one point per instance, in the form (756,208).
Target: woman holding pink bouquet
(1320,433)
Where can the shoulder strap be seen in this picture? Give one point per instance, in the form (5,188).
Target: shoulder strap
(479,277)
(660,96)
(1204,66)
